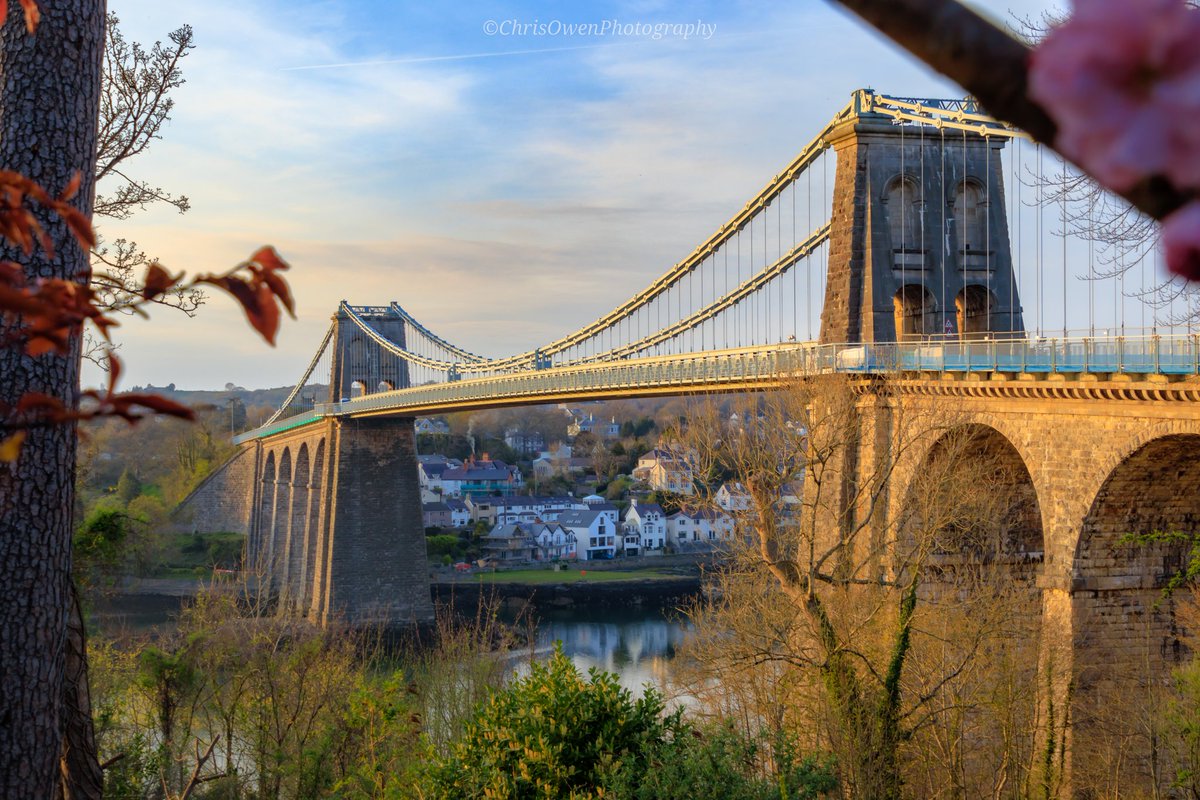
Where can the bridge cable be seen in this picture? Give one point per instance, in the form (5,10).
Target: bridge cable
(1062,164)
(808,272)
(903,243)
(1041,239)
(987,231)
(1091,242)
(307,374)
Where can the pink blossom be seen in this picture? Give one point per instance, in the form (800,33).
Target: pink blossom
(1121,78)
(1181,240)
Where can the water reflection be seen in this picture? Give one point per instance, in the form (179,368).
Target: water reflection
(638,645)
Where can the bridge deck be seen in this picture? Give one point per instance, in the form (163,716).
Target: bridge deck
(766,367)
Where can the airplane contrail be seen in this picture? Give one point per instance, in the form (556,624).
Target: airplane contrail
(460,57)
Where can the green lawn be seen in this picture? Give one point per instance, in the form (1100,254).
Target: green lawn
(188,555)
(573,575)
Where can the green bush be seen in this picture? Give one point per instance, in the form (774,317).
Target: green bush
(552,734)
(719,762)
(557,734)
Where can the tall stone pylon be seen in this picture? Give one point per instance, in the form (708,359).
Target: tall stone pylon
(918,247)
(359,359)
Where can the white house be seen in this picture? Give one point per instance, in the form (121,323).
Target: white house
(427,425)
(594,502)
(430,469)
(554,542)
(521,508)
(733,497)
(701,527)
(649,523)
(666,470)
(595,534)
(460,515)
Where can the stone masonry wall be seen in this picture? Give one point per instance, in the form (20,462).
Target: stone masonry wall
(223,501)
(377,565)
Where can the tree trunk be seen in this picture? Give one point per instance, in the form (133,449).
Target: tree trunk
(82,778)
(49,100)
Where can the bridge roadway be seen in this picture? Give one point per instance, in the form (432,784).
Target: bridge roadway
(766,367)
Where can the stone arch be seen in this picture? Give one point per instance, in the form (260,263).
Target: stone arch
(915,309)
(281,523)
(1010,527)
(972,520)
(905,208)
(971,219)
(1125,637)
(975,307)
(309,575)
(261,533)
(385,386)
(298,523)
(357,389)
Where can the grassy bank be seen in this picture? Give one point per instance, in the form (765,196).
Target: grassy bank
(550,577)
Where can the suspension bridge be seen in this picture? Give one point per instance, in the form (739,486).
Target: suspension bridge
(910,238)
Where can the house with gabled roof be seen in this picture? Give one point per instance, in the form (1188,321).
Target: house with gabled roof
(666,470)
(481,476)
(703,527)
(595,534)
(648,523)
(733,497)
(460,515)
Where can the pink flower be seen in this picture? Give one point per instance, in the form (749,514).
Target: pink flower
(1181,240)
(1121,78)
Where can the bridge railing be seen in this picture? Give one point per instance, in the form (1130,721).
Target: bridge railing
(1175,354)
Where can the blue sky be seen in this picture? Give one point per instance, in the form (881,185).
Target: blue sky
(503,199)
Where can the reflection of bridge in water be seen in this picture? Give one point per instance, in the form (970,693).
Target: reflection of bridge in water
(637,646)
(918,262)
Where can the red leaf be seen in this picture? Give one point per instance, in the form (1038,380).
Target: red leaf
(72,187)
(153,402)
(279,288)
(157,281)
(79,224)
(269,259)
(265,317)
(32,14)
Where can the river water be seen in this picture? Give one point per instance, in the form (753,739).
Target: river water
(638,644)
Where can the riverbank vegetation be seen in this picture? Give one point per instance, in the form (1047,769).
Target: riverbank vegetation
(238,701)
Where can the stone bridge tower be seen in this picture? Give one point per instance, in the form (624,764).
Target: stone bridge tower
(919,242)
(357,359)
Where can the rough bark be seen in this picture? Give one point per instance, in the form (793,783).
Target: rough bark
(49,99)
(82,778)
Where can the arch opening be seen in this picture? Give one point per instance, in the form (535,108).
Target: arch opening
(970,532)
(975,307)
(1126,635)
(974,498)
(915,309)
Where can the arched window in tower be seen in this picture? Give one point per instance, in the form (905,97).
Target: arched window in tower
(915,310)
(905,208)
(971,225)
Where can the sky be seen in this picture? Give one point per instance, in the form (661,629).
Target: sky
(501,179)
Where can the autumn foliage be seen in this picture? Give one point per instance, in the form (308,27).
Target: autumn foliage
(50,312)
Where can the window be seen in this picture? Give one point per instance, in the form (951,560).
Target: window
(970,217)
(904,209)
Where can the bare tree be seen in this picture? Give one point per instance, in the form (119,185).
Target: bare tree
(1124,235)
(135,104)
(862,620)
